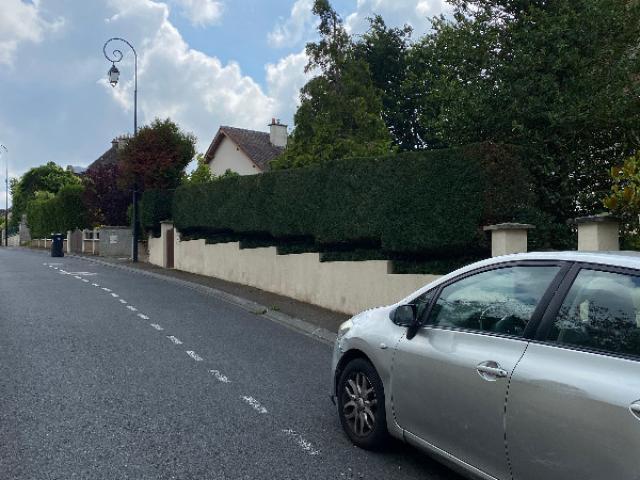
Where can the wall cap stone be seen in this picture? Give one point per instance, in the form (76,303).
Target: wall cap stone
(600,218)
(508,226)
(167,221)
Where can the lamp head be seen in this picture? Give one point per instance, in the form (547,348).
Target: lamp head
(114,75)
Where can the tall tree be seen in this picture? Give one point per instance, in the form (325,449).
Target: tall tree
(558,77)
(157,156)
(105,198)
(340,114)
(48,178)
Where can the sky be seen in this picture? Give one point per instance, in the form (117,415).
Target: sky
(202,63)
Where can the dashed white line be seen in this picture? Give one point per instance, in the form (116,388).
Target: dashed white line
(255,404)
(115,295)
(85,280)
(156,326)
(302,443)
(174,339)
(219,376)
(194,355)
(95,284)
(142,316)
(106,289)
(132,308)
(123,301)
(77,277)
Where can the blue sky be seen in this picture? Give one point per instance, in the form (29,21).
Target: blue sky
(204,63)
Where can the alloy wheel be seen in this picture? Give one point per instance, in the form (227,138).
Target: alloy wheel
(359,404)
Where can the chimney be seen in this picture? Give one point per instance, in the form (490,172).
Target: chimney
(277,133)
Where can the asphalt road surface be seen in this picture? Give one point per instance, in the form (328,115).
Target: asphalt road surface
(109,374)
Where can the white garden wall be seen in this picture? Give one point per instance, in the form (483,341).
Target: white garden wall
(348,287)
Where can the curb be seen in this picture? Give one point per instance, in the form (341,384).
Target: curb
(301,326)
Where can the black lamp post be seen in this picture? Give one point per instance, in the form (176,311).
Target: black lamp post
(6,199)
(114,76)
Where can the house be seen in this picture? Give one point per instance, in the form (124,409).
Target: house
(110,157)
(246,152)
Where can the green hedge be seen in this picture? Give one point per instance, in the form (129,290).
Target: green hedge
(155,206)
(421,203)
(57,214)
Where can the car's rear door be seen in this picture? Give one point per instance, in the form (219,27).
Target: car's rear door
(449,382)
(573,409)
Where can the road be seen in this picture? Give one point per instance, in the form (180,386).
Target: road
(109,374)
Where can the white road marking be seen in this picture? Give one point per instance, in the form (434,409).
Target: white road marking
(174,339)
(64,272)
(219,376)
(95,284)
(76,276)
(123,301)
(302,443)
(144,317)
(157,327)
(255,404)
(106,289)
(194,355)
(115,295)
(132,308)
(83,274)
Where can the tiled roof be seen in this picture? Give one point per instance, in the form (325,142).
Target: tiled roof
(256,145)
(110,157)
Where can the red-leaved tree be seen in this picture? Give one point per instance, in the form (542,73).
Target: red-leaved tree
(104,196)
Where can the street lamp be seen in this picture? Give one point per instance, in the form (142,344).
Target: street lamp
(114,76)
(6,199)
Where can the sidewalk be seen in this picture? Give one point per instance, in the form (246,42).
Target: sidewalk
(310,319)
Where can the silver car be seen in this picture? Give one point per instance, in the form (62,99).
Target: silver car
(523,367)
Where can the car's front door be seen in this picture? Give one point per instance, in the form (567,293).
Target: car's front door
(449,382)
(574,400)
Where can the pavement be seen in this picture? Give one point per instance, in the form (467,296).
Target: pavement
(110,372)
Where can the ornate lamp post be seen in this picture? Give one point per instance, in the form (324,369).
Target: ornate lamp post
(6,199)
(114,76)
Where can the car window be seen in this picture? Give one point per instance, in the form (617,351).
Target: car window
(600,312)
(422,304)
(499,301)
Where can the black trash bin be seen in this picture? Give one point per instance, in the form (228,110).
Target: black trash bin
(57,244)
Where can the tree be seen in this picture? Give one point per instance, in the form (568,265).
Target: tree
(559,78)
(48,178)
(388,54)
(340,114)
(105,199)
(157,156)
(56,213)
(201,174)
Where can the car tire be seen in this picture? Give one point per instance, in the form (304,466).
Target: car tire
(361,405)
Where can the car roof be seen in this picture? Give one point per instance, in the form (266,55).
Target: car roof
(628,259)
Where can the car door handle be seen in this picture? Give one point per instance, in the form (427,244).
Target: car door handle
(635,408)
(491,371)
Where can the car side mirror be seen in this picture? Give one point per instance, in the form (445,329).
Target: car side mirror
(405,315)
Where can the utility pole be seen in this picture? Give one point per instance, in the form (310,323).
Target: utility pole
(6,199)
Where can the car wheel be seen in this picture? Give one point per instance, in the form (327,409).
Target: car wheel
(361,406)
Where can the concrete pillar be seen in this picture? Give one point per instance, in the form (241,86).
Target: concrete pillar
(508,238)
(598,233)
(69,233)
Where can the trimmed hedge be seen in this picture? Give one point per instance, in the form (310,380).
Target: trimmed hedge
(155,206)
(431,203)
(57,214)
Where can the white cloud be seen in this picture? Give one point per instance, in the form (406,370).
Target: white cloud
(284,80)
(201,12)
(194,89)
(22,22)
(396,13)
(291,31)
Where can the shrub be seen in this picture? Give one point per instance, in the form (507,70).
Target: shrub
(155,207)
(430,203)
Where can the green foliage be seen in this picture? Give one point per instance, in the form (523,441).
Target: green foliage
(45,178)
(155,207)
(558,78)
(157,156)
(201,174)
(624,198)
(429,203)
(48,213)
(340,111)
